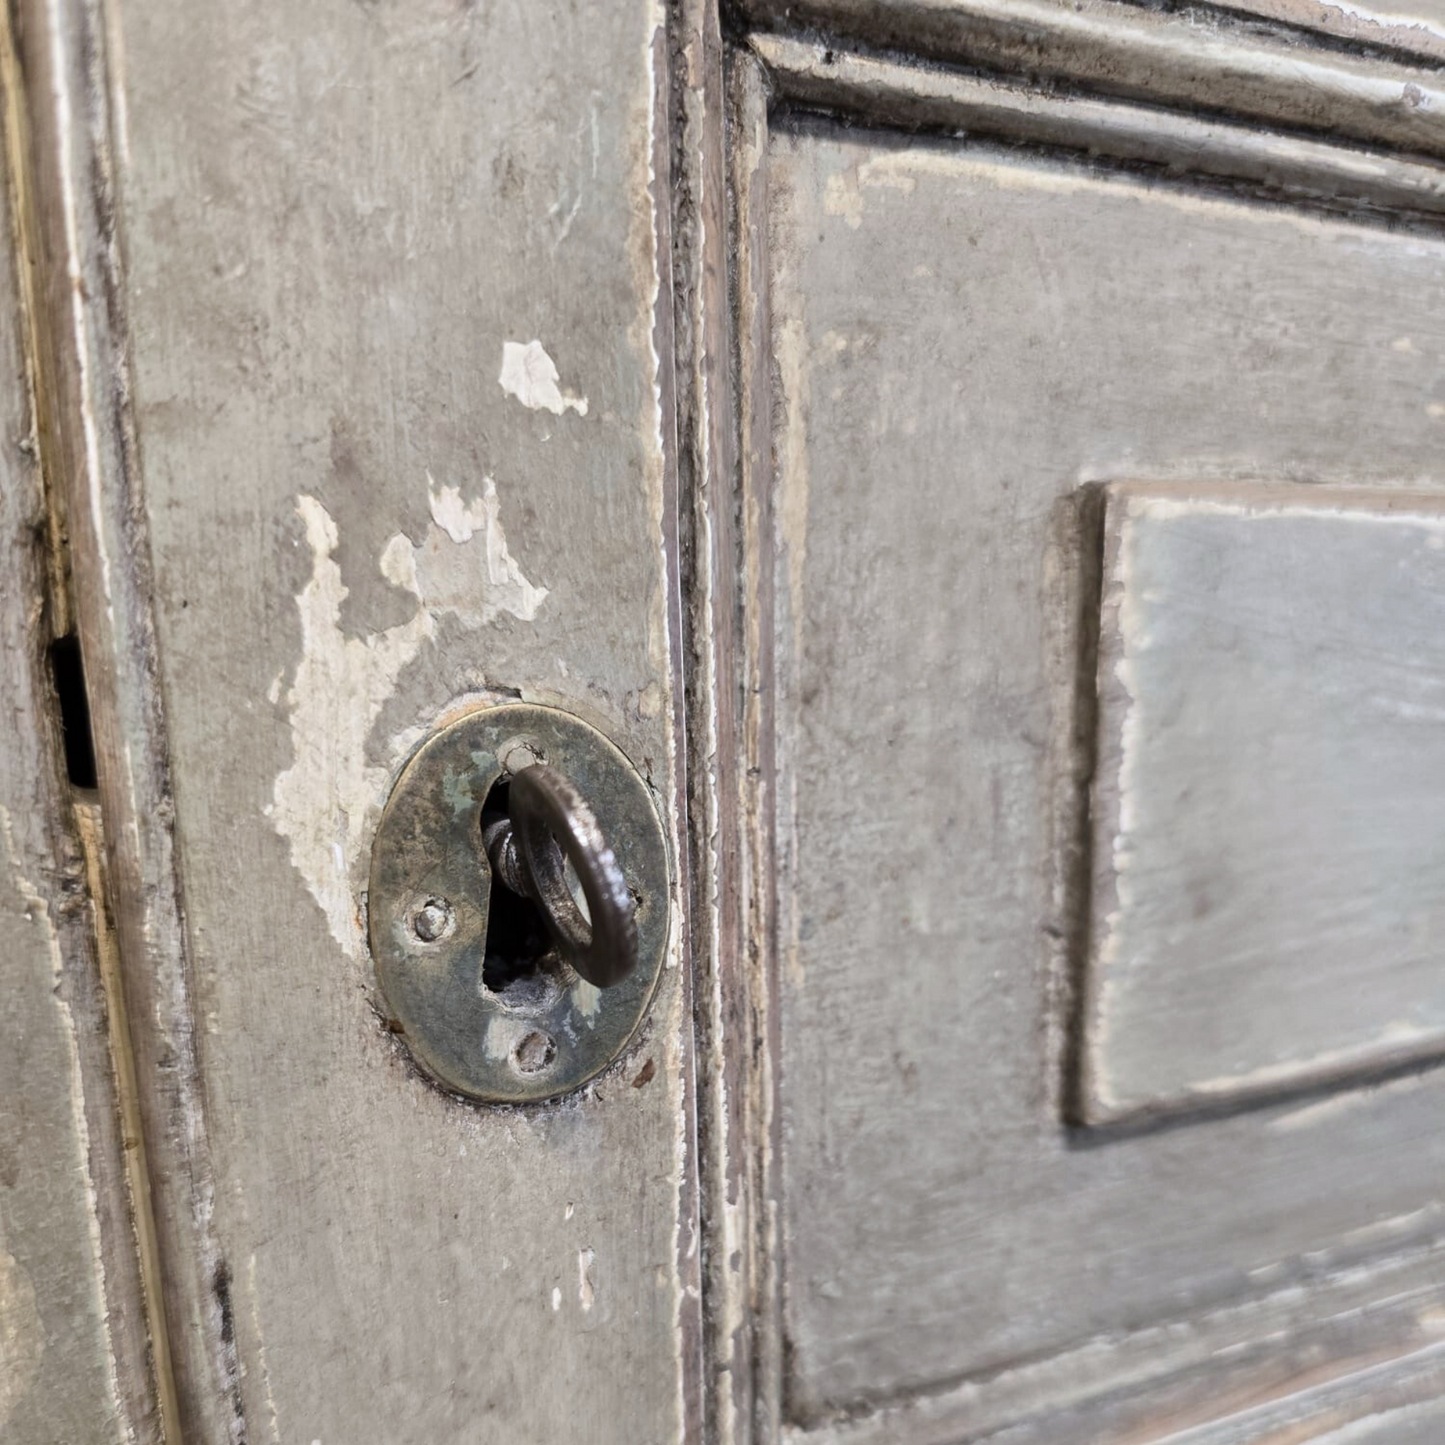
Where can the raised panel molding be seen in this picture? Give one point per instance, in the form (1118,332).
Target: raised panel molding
(1268,806)
(1185,61)
(1312,129)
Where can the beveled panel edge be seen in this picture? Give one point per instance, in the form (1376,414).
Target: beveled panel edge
(912,96)
(1174,60)
(1090,1104)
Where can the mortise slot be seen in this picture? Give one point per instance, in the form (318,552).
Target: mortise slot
(67,672)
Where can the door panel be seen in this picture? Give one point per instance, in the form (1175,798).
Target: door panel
(368,353)
(965,344)
(1050,520)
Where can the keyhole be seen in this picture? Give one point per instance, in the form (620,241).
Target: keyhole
(521,966)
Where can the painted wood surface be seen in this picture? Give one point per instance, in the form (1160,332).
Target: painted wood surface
(957,351)
(1268,898)
(353,340)
(1415,27)
(1188,61)
(363,405)
(75,1349)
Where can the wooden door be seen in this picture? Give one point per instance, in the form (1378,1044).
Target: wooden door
(980,464)
(1080,894)
(352,339)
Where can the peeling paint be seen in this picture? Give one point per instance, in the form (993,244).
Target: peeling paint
(484,579)
(531,376)
(323,802)
(586,998)
(586,1286)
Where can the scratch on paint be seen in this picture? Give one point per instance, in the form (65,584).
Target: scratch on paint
(530,375)
(323,802)
(261,1347)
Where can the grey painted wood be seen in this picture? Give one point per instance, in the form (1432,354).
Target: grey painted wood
(75,1360)
(710,92)
(1415,27)
(364,406)
(1222,1398)
(917,96)
(1268,903)
(957,349)
(1186,60)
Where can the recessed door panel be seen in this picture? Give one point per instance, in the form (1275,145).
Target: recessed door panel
(967,344)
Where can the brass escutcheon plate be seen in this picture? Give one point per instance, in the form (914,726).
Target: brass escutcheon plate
(431,887)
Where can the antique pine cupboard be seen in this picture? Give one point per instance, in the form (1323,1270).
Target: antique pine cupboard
(957,490)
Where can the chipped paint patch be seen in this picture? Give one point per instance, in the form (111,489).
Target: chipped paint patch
(255,1298)
(463,566)
(586,1286)
(843,190)
(531,376)
(322,804)
(586,999)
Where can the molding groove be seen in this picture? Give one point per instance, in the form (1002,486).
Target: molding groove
(901,95)
(1175,61)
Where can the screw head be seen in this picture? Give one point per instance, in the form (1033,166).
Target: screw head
(516,755)
(433,920)
(535,1053)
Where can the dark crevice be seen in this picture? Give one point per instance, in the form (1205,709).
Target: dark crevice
(67,674)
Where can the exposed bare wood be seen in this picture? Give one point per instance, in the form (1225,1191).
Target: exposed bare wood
(756,985)
(82,330)
(708,471)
